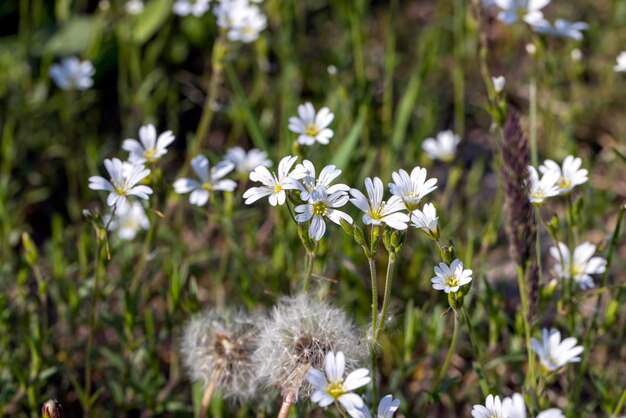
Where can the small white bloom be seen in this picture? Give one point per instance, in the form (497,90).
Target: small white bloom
(540,190)
(210,180)
(576,54)
(312,126)
(72,73)
(493,408)
(190,7)
(411,189)
(581,266)
(246,162)
(128,221)
(517,408)
(125,179)
(570,176)
(386,408)
(443,148)
(375,210)
(332,387)
(498,83)
(562,28)
(149,148)
(322,205)
(554,353)
(450,278)
(134,7)
(527,10)
(273,186)
(243,21)
(620,67)
(426,220)
(551,413)
(305,172)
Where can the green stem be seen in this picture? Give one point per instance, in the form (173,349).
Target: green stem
(620,405)
(484,385)
(533,121)
(388,282)
(372,265)
(530,378)
(310,260)
(451,351)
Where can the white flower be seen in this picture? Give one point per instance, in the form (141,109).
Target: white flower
(72,74)
(581,267)
(128,221)
(243,21)
(493,409)
(210,180)
(332,387)
(134,7)
(411,189)
(193,7)
(376,211)
(311,126)
(540,190)
(151,148)
(246,162)
(554,353)
(305,172)
(498,83)
(450,278)
(443,148)
(426,220)
(125,179)
(517,408)
(386,408)
(570,176)
(321,205)
(527,10)
(562,28)
(273,186)
(620,67)
(576,54)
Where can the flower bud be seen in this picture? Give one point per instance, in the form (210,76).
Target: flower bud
(359,237)
(303,233)
(52,409)
(447,253)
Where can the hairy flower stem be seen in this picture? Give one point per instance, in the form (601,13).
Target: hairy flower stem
(288,400)
(480,370)
(310,261)
(372,265)
(451,351)
(388,282)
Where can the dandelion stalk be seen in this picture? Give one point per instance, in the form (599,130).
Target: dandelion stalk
(451,351)
(208,394)
(288,400)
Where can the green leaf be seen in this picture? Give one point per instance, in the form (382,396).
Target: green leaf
(342,157)
(74,37)
(150,20)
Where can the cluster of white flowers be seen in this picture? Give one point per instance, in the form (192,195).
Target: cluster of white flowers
(555,180)
(73,74)
(513,407)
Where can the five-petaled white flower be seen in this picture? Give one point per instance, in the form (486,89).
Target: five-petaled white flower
(375,210)
(493,408)
(541,189)
(426,220)
(242,20)
(570,176)
(332,387)
(305,173)
(517,408)
(128,221)
(149,148)
(554,353)
(581,266)
(210,180)
(450,278)
(321,205)
(386,408)
(125,179)
(246,162)
(273,186)
(72,74)
(411,189)
(562,28)
(190,7)
(620,67)
(527,10)
(443,148)
(311,126)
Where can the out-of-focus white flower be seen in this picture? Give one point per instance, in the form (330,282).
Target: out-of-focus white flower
(72,74)
(190,7)
(443,148)
(243,21)
(570,176)
(305,172)
(493,408)
(322,205)
(527,10)
(554,353)
(134,7)
(376,211)
(149,148)
(531,49)
(210,180)
(620,67)
(426,220)
(498,83)
(312,126)
(411,189)
(517,408)
(576,54)
(273,186)
(562,28)
(386,408)
(581,266)
(128,221)
(540,190)
(246,162)
(450,278)
(125,179)
(332,387)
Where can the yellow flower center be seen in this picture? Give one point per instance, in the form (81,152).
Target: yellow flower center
(335,390)
(311,130)
(563,183)
(120,190)
(576,270)
(278,188)
(150,155)
(320,208)
(207,186)
(452,281)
